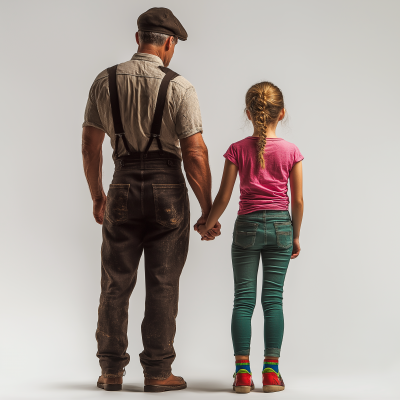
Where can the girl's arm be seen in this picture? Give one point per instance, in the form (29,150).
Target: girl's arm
(223,197)
(296,190)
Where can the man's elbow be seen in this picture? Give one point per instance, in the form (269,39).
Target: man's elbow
(92,140)
(89,151)
(195,155)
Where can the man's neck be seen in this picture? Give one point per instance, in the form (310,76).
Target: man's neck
(149,49)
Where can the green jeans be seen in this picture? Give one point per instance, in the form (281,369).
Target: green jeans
(268,234)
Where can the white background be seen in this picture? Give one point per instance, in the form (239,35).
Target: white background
(337,63)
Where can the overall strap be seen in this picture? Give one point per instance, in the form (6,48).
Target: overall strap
(115,109)
(158,113)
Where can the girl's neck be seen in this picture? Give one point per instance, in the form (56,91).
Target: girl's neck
(270,134)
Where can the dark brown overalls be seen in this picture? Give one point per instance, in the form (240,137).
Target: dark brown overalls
(147,210)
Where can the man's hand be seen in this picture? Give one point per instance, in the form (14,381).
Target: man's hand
(202,230)
(212,233)
(99,208)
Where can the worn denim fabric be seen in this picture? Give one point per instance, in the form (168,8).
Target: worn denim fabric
(147,210)
(268,234)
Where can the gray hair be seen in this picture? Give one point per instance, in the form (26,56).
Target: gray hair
(154,38)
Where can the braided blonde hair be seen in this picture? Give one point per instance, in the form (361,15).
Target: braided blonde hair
(264,101)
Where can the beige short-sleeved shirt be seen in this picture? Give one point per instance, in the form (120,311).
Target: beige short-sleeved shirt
(138,81)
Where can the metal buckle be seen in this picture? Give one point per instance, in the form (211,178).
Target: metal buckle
(155,135)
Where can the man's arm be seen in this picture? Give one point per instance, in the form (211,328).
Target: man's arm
(197,168)
(92,141)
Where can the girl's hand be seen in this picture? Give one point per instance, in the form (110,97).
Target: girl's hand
(296,248)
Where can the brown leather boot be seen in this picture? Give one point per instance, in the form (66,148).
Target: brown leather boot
(171,383)
(109,383)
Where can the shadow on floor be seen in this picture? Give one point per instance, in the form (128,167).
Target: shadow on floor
(193,386)
(208,386)
(127,387)
(73,386)
(92,387)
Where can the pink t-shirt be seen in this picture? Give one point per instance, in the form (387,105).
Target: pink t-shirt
(263,189)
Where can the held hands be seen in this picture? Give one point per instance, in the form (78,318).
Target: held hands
(211,234)
(204,233)
(207,235)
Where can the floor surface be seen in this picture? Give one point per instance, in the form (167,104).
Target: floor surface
(297,388)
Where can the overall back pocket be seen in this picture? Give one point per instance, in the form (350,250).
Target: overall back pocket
(169,203)
(244,234)
(117,203)
(284,234)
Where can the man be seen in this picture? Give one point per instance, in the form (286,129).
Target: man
(152,117)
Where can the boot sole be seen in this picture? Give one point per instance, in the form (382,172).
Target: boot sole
(243,389)
(109,387)
(163,388)
(272,388)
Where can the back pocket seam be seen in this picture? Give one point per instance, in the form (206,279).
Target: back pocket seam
(157,205)
(253,234)
(280,234)
(124,208)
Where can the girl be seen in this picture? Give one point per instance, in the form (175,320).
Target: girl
(263,227)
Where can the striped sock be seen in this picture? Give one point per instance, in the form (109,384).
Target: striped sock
(243,366)
(271,366)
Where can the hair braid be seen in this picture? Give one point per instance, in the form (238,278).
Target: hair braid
(262,142)
(264,100)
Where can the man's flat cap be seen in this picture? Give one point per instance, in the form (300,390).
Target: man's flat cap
(161,20)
